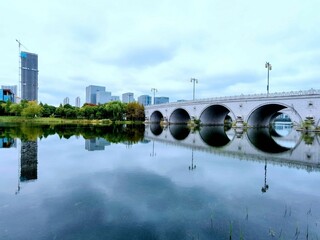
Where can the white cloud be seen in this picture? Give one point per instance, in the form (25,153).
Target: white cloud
(133,46)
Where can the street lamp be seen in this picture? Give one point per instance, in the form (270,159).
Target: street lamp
(269,67)
(154,90)
(194,82)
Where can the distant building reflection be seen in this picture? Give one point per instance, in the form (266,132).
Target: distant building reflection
(96,144)
(7,143)
(29,161)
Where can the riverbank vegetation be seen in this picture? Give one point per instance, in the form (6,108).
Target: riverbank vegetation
(108,113)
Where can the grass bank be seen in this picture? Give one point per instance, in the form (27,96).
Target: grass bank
(57,121)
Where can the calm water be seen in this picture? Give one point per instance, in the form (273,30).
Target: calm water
(154,183)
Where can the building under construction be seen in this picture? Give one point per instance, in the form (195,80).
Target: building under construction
(29,76)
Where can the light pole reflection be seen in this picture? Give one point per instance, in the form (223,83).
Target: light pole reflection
(266,186)
(153,154)
(193,166)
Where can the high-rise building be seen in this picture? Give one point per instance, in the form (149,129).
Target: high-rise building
(77,102)
(6,95)
(103,97)
(66,101)
(159,100)
(127,97)
(13,90)
(91,93)
(115,98)
(29,76)
(145,100)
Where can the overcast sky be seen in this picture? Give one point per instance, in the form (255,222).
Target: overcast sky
(133,46)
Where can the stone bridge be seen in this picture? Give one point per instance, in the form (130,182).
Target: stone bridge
(253,110)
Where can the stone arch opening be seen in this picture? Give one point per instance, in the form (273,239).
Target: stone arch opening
(179,116)
(216,115)
(263,115)
(156,117)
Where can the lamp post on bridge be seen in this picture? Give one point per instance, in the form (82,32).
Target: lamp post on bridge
(194,82)
(154,90)
(269,67)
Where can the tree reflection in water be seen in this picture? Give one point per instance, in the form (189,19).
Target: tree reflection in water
(113,134)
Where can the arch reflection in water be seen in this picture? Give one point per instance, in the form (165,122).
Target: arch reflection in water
(216,136)
(268,140)
(156,129)
(179,132)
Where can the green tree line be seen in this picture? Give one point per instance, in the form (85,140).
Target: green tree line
(115,111)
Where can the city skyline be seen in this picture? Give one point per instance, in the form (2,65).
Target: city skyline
(134,47)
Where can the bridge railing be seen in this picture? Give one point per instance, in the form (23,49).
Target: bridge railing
(247,96)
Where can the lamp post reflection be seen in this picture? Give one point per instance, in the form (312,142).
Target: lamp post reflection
(193,166)
(153,154)
(266,186)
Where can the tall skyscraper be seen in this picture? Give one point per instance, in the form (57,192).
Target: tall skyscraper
(127,97)
(145,100)
(77,102)
(29,76)
(65,101)
(91,93)
(103,97)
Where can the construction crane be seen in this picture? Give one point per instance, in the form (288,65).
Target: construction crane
(19,69)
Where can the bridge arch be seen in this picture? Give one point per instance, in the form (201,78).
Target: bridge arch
(262,115)
(179,116)
(215,115)
(156,117)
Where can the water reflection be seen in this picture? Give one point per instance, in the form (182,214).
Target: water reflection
(192,166)
(262,139)
(156,129)
(265,186)
(96,144)
(283,144)
(160,197)
(7,142)
(29,161)
(179,132)
(112,134)
(216,136)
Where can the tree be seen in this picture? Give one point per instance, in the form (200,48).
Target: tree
(32,110)
(48,110)
(116,110)
(16,109)
(135,112)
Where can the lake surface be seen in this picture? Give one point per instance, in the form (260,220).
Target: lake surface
(71,182)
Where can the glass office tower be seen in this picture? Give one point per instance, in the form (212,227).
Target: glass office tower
(29,76)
